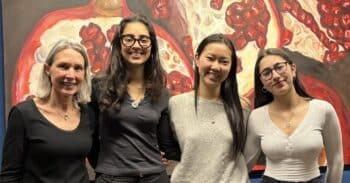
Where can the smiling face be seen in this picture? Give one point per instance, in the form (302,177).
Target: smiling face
(276,74)
(136,53)
(66,72)
(214,64)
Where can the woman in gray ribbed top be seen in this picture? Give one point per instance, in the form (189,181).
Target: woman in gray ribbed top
(290,127)
(209,121)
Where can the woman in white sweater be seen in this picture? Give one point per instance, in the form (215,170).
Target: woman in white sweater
(289,126)
(209,122)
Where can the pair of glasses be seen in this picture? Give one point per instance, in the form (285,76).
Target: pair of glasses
(129,41)
(279,67)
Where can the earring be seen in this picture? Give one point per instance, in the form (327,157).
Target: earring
(263,89)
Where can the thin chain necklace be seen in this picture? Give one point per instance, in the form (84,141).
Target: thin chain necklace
(66,116)
(53,110)
(289,123)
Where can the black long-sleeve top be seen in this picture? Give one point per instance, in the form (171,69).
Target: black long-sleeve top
(131,138)
(36,151)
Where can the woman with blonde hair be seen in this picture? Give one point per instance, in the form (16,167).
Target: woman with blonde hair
(49,135)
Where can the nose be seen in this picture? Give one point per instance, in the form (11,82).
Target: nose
(215,66)
(275,74)
(136,44)
(70,73)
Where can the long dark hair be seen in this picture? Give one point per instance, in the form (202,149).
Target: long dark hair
(114,81)
(228,93)
(264,97)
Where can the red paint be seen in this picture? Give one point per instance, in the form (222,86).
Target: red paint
(249,20)
(216,4)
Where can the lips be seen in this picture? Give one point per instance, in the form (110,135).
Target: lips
(68,84)
(278,84)
(213,75)
(136,52)
(135,55)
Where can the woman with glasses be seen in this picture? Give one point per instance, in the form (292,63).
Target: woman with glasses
(131,101)
(289,126)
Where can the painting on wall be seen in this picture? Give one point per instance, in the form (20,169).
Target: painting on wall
(315,33)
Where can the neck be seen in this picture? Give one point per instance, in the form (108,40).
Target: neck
(286,101)
(61,102)
(209,93)
(136,83)
(136,74)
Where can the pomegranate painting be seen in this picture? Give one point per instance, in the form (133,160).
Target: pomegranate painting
(316,33)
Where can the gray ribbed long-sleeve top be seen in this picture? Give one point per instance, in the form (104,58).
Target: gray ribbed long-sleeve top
(205,140)
(295,157)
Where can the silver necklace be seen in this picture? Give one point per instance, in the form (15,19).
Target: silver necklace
(136,103)
(289,123)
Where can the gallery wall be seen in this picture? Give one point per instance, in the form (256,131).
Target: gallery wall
(312,32)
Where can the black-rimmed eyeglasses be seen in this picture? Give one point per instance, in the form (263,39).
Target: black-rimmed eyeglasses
(279,67)
(129,41)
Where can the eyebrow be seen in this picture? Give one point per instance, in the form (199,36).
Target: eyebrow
(214,54)
(133,35)
(281,62)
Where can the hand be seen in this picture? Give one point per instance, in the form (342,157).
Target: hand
(164,160)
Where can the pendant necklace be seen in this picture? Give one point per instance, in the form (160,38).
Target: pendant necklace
(64,116)
(135,103)
(289,123)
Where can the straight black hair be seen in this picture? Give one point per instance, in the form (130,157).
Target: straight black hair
(228,93)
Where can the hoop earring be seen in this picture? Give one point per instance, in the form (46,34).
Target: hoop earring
(263,89)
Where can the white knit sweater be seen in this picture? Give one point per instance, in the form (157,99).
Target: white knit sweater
(206,143)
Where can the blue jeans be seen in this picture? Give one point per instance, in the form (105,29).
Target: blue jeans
(267,179)
(148,178)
